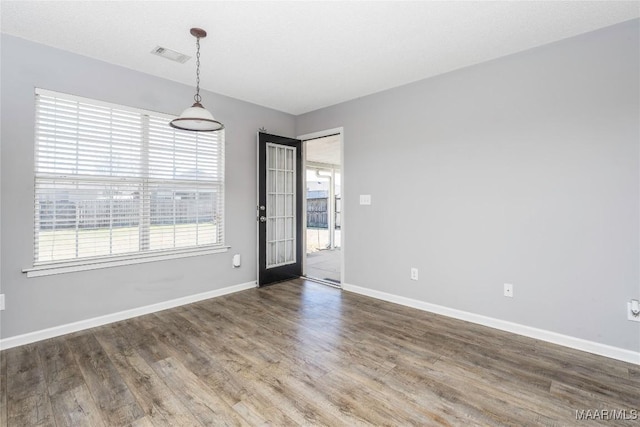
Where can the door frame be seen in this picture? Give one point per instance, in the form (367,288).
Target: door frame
(304,138)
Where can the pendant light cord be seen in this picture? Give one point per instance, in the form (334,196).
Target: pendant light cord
(197,97)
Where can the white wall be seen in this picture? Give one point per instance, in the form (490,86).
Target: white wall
(524,170)
(44,302)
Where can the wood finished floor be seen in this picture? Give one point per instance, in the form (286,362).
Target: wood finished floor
(300,353)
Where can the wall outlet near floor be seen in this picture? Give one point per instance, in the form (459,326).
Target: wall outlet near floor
(414,273)
(1,301)
(508,290)
(633,306)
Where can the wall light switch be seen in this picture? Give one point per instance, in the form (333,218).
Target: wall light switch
(1,301)
(365,199)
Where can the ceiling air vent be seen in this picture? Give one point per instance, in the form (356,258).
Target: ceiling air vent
(170,54)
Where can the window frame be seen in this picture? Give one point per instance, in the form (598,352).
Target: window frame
(43,268)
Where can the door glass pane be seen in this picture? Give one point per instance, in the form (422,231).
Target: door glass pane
(289,166)
(271,181)
(271,157)
(281,257)
(280,182)
(289,183)
(288,205)
(280,208)
(271,205)
(281,221)
(271,229)
(280,229)
(271,251)
(290,249)
(289,228)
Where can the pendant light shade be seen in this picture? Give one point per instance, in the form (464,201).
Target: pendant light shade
(197,118)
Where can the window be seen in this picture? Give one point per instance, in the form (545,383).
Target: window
(118,182)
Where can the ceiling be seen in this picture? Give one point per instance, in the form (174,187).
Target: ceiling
(301,56)
(324,150)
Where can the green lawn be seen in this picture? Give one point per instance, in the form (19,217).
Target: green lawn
(58,245)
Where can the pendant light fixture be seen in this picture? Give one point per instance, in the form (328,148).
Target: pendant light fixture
(197,118)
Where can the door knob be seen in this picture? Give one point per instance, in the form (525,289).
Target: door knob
(263,218)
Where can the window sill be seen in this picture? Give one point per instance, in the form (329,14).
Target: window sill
(98,263)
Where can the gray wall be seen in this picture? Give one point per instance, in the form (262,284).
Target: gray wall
(522,170)
(39,303)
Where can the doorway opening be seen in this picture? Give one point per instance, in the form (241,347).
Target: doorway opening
(323,208)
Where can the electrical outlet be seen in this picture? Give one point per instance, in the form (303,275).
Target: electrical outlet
(414,273)
(1,301)
(630,308)
(508,290)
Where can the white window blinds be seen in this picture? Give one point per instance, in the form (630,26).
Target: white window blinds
(113,180)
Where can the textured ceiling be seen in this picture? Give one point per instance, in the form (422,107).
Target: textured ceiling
(300,56)
(324,150)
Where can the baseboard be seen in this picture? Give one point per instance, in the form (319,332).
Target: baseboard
(44,334)
(503,325)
